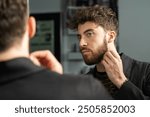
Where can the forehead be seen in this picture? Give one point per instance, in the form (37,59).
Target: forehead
(89,26)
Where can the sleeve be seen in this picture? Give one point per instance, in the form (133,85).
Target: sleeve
(138,88)
(138,85)
(129,91)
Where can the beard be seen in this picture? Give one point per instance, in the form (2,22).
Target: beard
(95,56)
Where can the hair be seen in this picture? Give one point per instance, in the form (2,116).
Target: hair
(13,18)
(100,15)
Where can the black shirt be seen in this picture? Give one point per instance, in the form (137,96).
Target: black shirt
(22,80)
(138,84)
(102,76)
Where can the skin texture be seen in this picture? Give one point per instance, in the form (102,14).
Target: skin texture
(98,47)
(92,42)
(46,58)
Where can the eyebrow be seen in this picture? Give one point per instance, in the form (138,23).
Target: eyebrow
(85,31)
(88,30)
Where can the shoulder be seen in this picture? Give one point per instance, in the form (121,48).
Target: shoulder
(133,65)
(79,87)
(126,58)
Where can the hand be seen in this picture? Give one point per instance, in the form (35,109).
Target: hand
(46,58)
(113,66)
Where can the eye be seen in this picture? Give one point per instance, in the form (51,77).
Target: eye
(89,34)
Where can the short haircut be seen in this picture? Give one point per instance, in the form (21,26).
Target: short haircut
(13,18)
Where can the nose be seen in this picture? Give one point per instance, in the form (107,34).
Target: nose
(83,42)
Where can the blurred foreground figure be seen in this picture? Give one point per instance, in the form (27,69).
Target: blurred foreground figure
(21,74)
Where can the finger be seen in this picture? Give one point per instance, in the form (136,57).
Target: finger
(40,53)
(113,50)
(110,58)
(115,54)
(109,64)
(48,60)
(46,55)
(35,61)
(53,63)
(106,65)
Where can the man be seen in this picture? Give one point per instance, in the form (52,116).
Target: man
(124,77)
(20,78)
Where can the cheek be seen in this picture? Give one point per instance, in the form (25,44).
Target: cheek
(99,47)
(98,40)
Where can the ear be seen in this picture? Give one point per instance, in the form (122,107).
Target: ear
(31,27)
(111,36)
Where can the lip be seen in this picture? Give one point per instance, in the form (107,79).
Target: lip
(85,51)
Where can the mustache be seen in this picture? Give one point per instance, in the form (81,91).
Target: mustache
(84,49)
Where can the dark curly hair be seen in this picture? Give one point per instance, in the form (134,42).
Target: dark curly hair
(100,15)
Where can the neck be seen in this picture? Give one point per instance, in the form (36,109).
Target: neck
(100,67)
(17,50)
(13,53)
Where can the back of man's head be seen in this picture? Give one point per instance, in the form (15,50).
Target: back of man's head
(13,18)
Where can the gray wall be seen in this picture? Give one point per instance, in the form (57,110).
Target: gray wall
(38,6)
(42,6)
(134,39)
(134,18)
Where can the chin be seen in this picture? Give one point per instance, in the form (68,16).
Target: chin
(88,62)
(93,62)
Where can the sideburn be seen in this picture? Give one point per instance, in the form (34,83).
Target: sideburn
(105,49)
